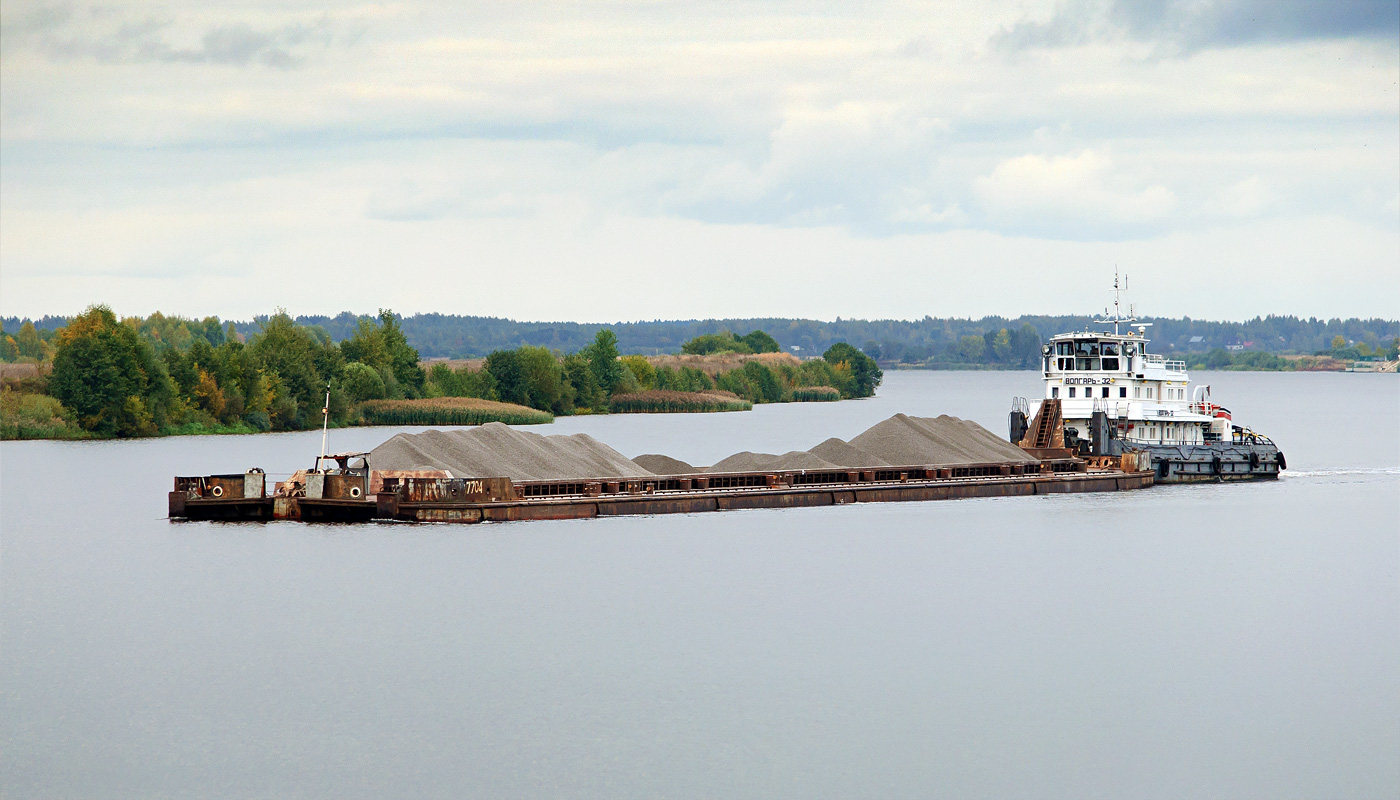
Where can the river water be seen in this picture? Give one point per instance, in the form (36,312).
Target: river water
(1200,641)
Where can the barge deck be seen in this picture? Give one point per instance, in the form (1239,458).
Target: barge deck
(473,500)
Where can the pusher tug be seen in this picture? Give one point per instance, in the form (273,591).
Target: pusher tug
(1105,395)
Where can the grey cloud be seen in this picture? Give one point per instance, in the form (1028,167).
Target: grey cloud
(1191,25)
(66,35)
(241,44)
(36,20)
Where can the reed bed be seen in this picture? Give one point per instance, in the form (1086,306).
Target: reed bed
(449,411)
(714,364)
(815,394)
(662,401)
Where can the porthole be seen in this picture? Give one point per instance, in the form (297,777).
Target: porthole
(354,491)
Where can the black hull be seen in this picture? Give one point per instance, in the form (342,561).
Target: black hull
(1213,463)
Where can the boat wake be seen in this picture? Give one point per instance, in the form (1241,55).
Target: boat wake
(1339,472)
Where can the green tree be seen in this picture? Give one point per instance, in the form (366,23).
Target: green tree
(760,342)
(1338,342)
(1218,358)
(769,389)
(366,345)
(181,370)
(30,345)
(865,373)
(587,393)
(213,331)
(972,348)
(548,390)
(603,360)
(362,382)
(711,343)
(479,383)
(109,377)
(1025,345)
(642,370)
(443,382)
(9,348)
(291,358)
(1001,346)
(508,373)
(403,359)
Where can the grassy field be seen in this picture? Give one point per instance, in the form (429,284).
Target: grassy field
(668,402)
(449,411)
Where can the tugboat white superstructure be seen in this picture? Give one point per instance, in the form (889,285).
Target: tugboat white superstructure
(1114,397)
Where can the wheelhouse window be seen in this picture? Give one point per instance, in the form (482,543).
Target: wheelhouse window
(1085,363)
(1110,348)
(1110,364)
(1064,348)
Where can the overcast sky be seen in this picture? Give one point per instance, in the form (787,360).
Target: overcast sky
(603,161)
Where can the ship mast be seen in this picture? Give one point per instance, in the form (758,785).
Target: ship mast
(1117,318)
(1116,315)
(325,426)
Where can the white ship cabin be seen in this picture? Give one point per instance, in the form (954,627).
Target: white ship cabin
(1145,395)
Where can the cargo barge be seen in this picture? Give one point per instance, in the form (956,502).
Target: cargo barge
(493,473)
(342,494)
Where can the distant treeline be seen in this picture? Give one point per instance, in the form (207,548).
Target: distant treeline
(103,376)
(930,341)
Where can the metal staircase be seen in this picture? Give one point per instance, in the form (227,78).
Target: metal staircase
(1047,430)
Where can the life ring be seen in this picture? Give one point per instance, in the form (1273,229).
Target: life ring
(217,491)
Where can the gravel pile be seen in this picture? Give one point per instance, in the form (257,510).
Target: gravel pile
(664,465)
(497,450)
(840,451)
(766,462)
(941,441)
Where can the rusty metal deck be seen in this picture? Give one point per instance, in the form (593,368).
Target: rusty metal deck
(436,502)
(433,499)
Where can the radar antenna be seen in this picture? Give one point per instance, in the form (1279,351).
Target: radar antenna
(1117,318)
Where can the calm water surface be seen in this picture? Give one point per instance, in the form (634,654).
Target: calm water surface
(1206,641)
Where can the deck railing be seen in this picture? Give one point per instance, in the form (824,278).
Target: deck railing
(1153,358)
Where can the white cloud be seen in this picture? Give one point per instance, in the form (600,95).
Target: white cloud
(417,133)
(1071,193)
(1246,198)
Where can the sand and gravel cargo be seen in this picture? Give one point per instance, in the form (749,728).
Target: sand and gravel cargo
(497,450)
(664,465)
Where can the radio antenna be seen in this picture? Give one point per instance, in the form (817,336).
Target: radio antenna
(325,426)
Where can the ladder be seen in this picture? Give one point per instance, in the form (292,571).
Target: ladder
(1047,430)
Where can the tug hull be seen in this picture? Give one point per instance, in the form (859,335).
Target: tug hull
(1213,462)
